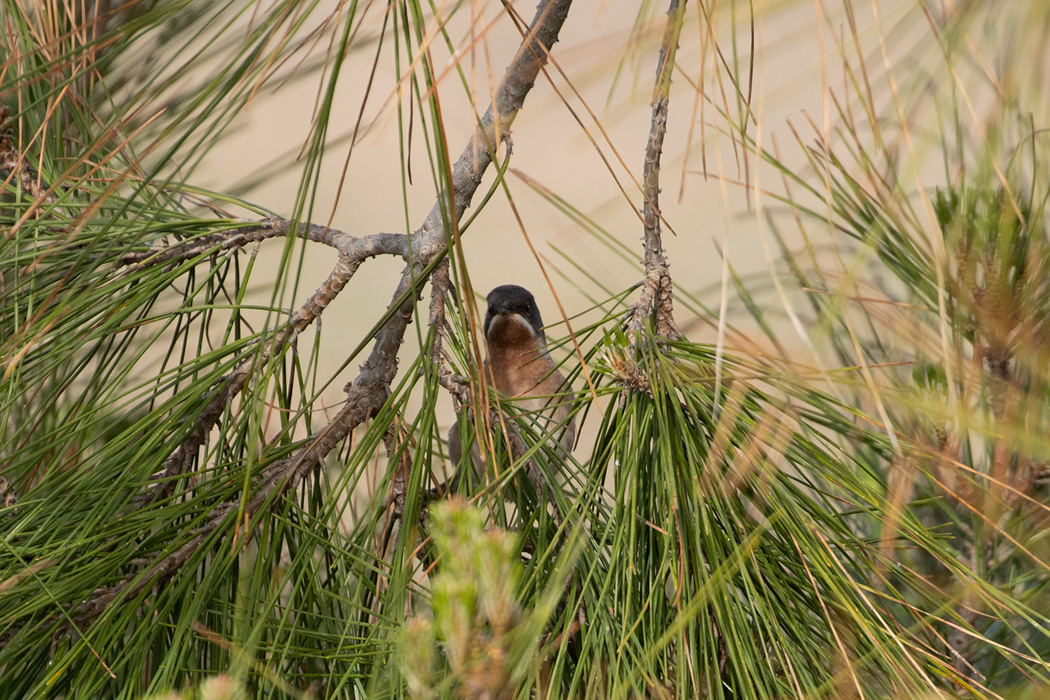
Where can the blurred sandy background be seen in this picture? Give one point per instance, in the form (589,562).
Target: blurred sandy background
(796,61)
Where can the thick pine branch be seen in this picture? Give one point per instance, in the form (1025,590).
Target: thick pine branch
(371,388)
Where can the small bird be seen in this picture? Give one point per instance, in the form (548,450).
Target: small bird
(519,368)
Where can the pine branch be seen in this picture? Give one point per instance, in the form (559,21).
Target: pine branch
(657,289)
(352,252)
(371,388)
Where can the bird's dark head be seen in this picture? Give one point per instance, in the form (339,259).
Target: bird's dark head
(513,316)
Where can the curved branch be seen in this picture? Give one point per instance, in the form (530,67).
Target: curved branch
(388,243)
(352,252)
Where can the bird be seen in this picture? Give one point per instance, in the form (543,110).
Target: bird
(520,368)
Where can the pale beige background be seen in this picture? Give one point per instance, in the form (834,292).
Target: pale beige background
(552,148)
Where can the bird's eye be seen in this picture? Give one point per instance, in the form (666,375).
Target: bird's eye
(528,308)
(492,311)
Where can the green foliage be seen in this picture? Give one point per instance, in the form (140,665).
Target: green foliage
(738,537)
(860,512)
(220,687)
(475,614)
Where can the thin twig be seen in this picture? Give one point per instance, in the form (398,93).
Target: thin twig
(440,286)
(657,290)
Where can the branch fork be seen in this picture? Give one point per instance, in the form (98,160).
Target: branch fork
(367,393)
